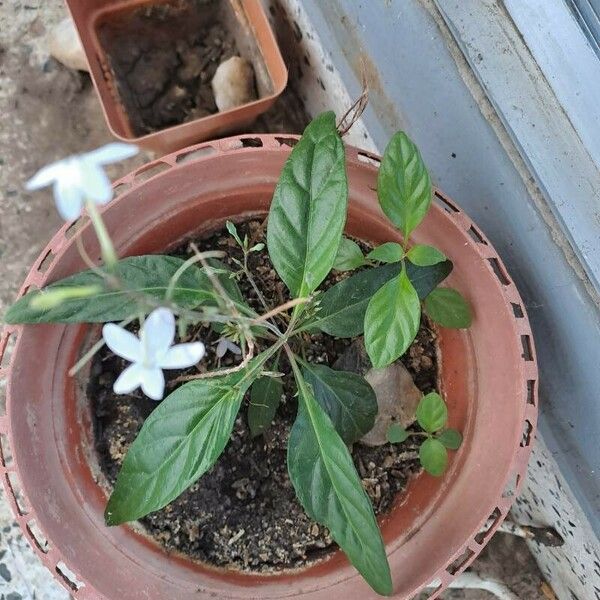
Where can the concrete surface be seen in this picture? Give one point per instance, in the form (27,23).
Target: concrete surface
(47,112)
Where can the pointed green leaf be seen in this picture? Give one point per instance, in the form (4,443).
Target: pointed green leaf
(232,229)
(179,441)
(329,489)
(425,256)
(343,306)
(451,438)
(392,320)
(346,397)
(396,434)
(265,396)
(390,252)
(433,457)
(349,256)
(448,308)
(403,184)
(148,275)
(432,412)
(308,211)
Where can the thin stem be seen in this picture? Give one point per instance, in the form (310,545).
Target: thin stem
(109,255)
(253,283)
(185,266)
(279,309)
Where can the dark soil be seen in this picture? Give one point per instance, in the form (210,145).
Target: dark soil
(243,514)
(164,58)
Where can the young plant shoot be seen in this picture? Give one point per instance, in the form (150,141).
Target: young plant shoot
(145,301)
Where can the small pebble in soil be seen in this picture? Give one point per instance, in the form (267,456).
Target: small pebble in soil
(233,83)
(243,514)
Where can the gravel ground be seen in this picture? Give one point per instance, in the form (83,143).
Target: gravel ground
(47,112)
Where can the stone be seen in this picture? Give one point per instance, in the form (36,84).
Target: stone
(233,83)
(65,46)
(397,398)
(397,394)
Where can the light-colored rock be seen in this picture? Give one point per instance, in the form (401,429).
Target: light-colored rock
(65,46)
(233,83)
(397,398)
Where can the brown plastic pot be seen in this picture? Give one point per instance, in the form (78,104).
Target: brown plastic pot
(489,380)
(253,33)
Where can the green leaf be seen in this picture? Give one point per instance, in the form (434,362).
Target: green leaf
(390,252)
(396,434)
(343,306)
(265,395)
(451,438)
(425,256)
(232,229)
(308,211)
(403,184)
(433,457)
(180,440)
(448,308)
(148,275)
(392,320)
(349,256)
(346,397)
(329,489)
(432,412)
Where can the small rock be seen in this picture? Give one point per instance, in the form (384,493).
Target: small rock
(397,398)
(233,83)
(65,46)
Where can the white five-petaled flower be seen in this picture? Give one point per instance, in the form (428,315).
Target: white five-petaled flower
(80,178)
(150,353)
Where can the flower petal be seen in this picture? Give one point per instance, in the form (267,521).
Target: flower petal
(112,153)
(221,348)
(129,379)
(233,348)
(45,176)
(182,356)
(95,183)
(68,198)
(153,383)
(158,333)
(122,342)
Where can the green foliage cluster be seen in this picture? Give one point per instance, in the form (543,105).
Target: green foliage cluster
(383,300)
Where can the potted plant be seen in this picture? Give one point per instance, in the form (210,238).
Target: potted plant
(484,388)
(170,73)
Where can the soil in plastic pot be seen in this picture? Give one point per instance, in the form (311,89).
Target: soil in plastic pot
(243,513)
(163,57)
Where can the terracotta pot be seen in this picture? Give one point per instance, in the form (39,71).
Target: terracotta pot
(434,531)
(254,37)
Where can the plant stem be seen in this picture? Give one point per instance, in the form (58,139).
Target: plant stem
(185,266)
(250,278)
(109,255)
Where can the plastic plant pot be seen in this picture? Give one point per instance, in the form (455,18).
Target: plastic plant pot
(435,529)
(255,39)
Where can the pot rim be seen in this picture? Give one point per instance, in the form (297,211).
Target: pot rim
(127,186)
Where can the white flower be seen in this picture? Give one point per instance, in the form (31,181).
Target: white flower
(150,353)
(224,345)
(80,178)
